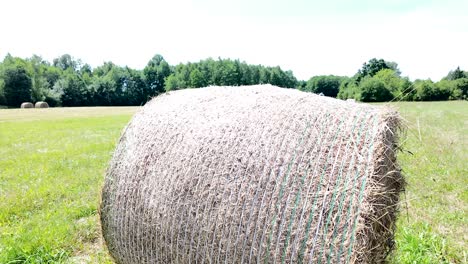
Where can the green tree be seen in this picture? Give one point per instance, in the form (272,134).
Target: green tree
(197,79)
(397,85)
(301,85)
(155,74)
(445,89)
(255,79)
(65,62)
(36,68)
(106,91)
(86,69)
(393,66)
(265,76)
(456,74)
(72,91)
(134,88)
(52,75)
(182,75)
(329,85)
(2,94)
(373,66)
(226,72)
(17,85)
(460,90)
(282,78)
(40,86)
(349,89)
(424,90)
(104,69)
(171,83)
(246,74)
(71,82)
(276,77)
(374,90)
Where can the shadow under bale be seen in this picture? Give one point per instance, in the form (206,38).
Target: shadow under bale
(253,174)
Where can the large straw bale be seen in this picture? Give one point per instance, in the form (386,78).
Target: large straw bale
(27,105)
(253,174)
(41,104)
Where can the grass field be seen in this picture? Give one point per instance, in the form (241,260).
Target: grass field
(52,164)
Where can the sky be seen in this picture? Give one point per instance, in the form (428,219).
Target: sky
(427,38)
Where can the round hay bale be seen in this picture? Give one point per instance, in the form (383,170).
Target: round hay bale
(253,174)
(27,105)
(41,104)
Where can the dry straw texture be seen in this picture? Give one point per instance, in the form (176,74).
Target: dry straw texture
(253,175)
(41,105)
(27,105)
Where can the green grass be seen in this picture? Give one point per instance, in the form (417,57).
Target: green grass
(433,225)
(52,164)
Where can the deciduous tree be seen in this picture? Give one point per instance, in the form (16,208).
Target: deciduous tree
(17,85)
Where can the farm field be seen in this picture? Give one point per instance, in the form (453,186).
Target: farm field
(52,165)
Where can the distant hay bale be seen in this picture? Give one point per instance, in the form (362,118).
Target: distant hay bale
(41,105)
(27,105)
(253,174)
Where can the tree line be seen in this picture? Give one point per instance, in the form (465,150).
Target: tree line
(69,82)
(380,81)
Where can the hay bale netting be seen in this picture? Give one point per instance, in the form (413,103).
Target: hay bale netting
(27,105)
(252,174)
(41,105)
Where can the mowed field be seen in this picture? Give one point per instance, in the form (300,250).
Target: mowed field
(52,165)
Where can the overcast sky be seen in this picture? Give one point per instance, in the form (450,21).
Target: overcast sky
(426,38)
